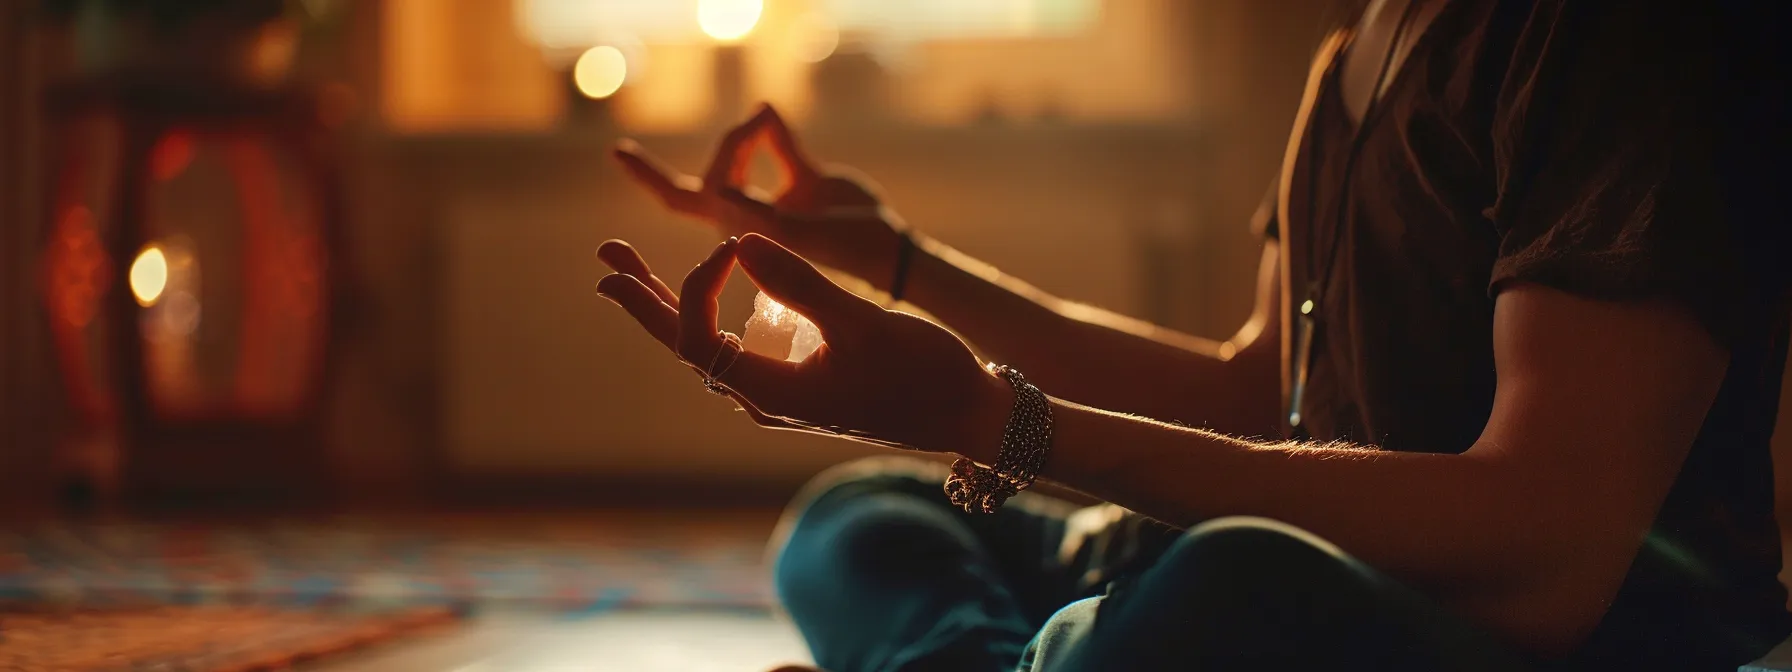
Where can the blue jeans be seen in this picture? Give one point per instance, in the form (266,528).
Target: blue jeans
(880,574)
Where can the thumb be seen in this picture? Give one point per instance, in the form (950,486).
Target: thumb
(794,282)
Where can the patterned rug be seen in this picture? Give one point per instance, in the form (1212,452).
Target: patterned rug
(571,565)
(200,639)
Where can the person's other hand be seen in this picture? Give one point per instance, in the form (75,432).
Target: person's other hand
(880,376)
(826,216)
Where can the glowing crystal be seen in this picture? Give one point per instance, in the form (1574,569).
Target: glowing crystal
(779,332)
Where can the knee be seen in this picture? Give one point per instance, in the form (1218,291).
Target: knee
(1240,548)
(840,486)
(1240,570)
(862,476)
(1062,633)
(870,512)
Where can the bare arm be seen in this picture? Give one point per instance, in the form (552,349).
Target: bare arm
(1121,363)
(1530,531)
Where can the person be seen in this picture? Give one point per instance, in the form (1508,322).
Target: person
(1520,325)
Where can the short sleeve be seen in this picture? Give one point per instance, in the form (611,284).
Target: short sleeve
(1608,160)
(1266,223)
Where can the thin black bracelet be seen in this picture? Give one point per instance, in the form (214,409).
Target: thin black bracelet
(905,250)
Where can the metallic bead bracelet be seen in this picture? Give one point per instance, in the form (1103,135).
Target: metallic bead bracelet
(1026,440)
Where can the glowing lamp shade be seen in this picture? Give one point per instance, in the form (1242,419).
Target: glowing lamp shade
(728,20)
(149,276)
(196,385)
(600,71)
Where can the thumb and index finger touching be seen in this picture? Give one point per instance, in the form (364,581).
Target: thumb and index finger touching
(727,169)
(797,166)
(686,321)
(796,283)
(689,316)
(781,273)
(770,387)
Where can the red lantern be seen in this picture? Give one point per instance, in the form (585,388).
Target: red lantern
(188,283)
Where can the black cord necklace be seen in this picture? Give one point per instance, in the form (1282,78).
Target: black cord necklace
(1318,284)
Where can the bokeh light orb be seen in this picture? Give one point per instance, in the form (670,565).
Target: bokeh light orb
(600,71)
(728,20)
(149,275)
(816,37)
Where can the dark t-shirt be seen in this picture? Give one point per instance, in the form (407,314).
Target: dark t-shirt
(1610,150)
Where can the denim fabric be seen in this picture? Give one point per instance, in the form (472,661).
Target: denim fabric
(880,574)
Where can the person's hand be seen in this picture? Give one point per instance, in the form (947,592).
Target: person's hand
(823,215)
(880,376)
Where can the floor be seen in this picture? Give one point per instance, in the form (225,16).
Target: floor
(551,592)
(632,641)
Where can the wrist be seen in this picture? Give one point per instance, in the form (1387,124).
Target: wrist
(881,253)
(981,484)
(979,435)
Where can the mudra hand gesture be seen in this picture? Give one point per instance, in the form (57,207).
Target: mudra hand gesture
(881,376)
(826,216)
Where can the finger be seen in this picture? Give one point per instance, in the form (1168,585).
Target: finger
(662,322)
(622,258)
(676,190)
(659,319)
(697,337)
(728,168)
(796,165)
(791,280)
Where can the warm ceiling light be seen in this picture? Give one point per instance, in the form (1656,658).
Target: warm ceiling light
(728,20)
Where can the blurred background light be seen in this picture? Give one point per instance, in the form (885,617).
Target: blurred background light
(149,275)
(564,24)
(941,62)
(600,71)
(815,37)
(568,24)
(912,20)
(728,20)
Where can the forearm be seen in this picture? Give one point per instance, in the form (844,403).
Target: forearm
(1531,530)
(1455,526)
(1349,494)
(1099,357)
